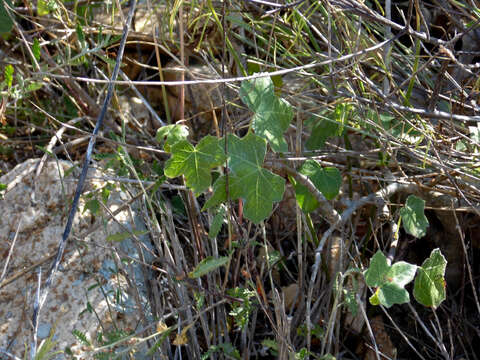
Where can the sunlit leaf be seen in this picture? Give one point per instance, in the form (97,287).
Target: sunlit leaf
(195,163)
(272,115)
(36,49)
(429,289)
(248,180)
(389,281)
(171,134)
(8,74)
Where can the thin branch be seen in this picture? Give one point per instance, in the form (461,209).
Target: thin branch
(42,296)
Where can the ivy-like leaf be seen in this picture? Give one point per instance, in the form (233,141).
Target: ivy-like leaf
(272,114)
(413,218)
(321,132)
(195,162)
(305,200)
(170,134)
(429,288)
(248,180)
(328,180)
(389,280)
(334,126)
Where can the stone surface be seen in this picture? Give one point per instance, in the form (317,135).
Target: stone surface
(37,208)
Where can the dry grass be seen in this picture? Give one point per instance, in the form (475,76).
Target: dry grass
(410,113)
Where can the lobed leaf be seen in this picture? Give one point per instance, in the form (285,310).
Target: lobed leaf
(389,281)
(195,163)
(170,134)
(257,186)
(327,180)
(321,132)
(272,115)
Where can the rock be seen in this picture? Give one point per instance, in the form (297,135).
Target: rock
(83,295)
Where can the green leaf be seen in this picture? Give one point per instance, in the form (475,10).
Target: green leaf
(172,134)
(226,349)
(327,180)
(6,23)
(92,205)
(414,220)
(34,86)
(117,237)
(207,265)
(304,198)
(272,115)
(195,162)
(389,281)
(241,310)
(351,301)
(375,275)
(217,223)
(8,75)
(390,294)
(257,186)
(81,37)
(36,49)
(429,288)
(45,7)
(323,130)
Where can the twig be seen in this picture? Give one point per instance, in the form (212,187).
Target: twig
(439,345)
(469,267)
(370,332)
(232,79)
(51,144)
(326,208)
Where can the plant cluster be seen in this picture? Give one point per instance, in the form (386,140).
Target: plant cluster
(361,110)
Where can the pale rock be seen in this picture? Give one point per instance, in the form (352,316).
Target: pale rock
(39,207)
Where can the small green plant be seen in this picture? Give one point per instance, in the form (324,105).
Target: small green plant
(260,189)
(45,350)
(389,280)
(241,310)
